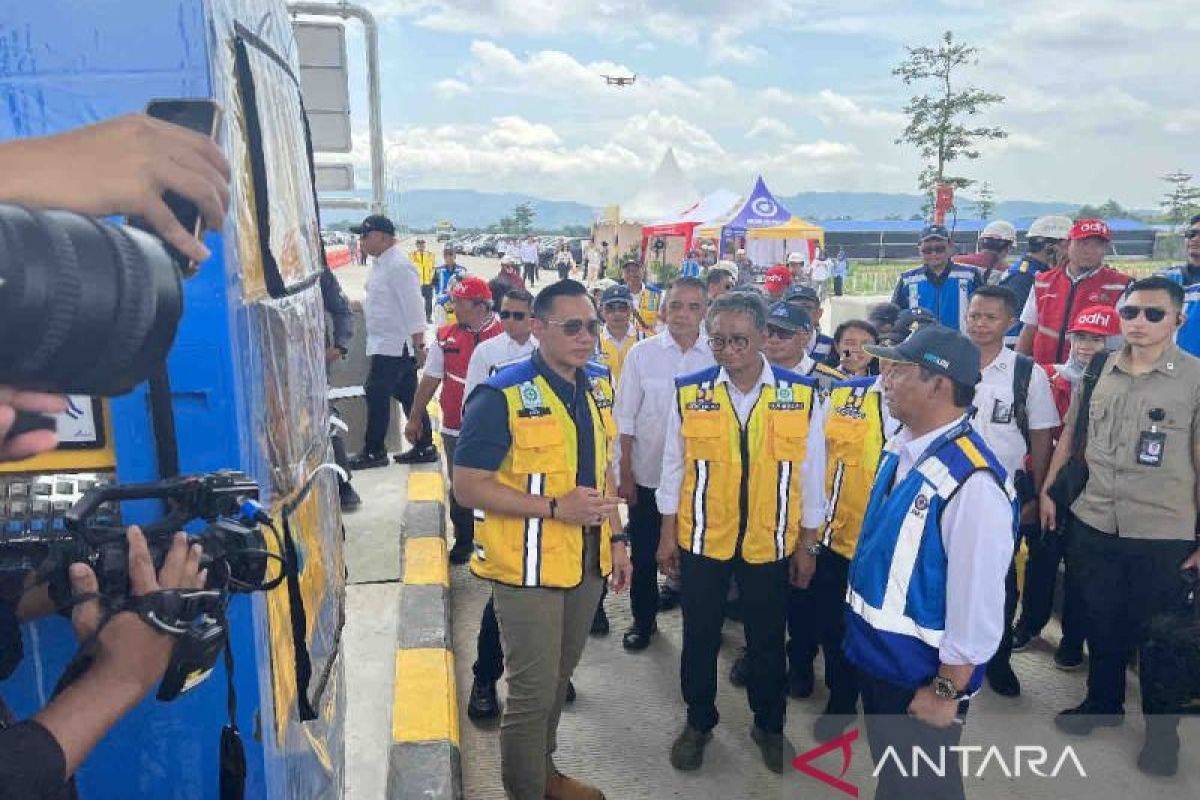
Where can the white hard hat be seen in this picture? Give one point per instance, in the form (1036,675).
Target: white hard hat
(507,259)
(795,258)
(1050,227)
(729,266)
(999,229)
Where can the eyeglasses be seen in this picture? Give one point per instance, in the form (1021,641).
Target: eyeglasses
(932,249)
(735,342)
(780,333)
(573,327)
(1192,234)
(1153,313)
(517,315)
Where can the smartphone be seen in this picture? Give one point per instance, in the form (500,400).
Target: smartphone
(203,116)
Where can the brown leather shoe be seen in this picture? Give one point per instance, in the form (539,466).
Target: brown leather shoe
(562,787)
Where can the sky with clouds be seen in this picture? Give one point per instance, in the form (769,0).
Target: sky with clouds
(507,95)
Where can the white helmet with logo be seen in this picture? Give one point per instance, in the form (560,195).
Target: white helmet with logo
(1053,226)
(999,229)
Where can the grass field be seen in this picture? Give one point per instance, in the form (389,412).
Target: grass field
(873,278)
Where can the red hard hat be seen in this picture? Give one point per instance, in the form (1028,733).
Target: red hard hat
(471,288)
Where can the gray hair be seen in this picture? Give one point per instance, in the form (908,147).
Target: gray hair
(750,303)
(688,282)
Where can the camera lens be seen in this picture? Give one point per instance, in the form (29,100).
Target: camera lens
(86,307)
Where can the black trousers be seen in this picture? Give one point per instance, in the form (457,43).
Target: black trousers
(461,518)
(427,293)
(644,526)
(803,635)
(885,710)
(764,599)
(1046,551)
(1011,596)
(339,451)
(828,601)
(530,271)
(489,653)
(839,285)
(391,377)
(1126,583)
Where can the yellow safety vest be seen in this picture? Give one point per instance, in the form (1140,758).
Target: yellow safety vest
(741,486)
(854,440)
(424,264)
(542,460)
(612,356)
(647,304)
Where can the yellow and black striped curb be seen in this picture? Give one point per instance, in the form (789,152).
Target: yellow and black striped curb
(424,759)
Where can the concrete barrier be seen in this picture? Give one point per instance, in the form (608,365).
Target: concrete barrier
(424,759)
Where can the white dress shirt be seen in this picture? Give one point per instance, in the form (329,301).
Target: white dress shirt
(995,420)
(393,307)
(977,533)
(812,471)
(529,252)
(493,353)
(646,395)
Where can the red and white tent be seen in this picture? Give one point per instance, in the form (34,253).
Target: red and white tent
(684,224)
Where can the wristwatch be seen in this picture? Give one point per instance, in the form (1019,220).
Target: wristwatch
(944,688)
(813,549)
(620,538)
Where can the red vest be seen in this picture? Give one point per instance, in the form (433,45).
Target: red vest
(1058,300)
(458,343)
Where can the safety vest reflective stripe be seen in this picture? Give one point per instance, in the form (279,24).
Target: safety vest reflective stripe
(883,619)
(781,511)
(835,495)
(699,517)
(533,535)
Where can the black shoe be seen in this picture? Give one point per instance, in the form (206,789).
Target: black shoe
(349,498)
(638,637)
(740,669)
(1002,679)
(461,553)
(687,753)
(1068,658)
(830,725)
(483,703)
(369,461)
(418,455)
(1086,717)
(600,622)
(1160,753)
(570,691)
(777,751)
(1021,639)
(800,682)
(668,598)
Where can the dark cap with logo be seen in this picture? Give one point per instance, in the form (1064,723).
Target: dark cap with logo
(616,294)
(789,317)
(802,293)
(937,348)
(375,222)
(934,232)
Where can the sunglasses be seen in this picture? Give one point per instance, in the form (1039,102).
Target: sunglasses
(780,333)
(736,342)
(517,315)
(1192,234)
(573,327)
(1153,313)
(932,249)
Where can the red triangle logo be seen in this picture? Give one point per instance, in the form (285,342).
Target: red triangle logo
(803,762)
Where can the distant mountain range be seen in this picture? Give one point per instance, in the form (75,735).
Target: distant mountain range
(424,208)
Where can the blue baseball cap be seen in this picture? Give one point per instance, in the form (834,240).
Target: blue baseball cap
(616,294)
(937,348)
(789,317)
(934,232)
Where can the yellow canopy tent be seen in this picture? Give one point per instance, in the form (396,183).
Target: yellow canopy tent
(794,228)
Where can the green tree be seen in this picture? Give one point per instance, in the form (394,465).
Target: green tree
(985,201)
(522,217)
(507,225)
(1182,199)
(939,122)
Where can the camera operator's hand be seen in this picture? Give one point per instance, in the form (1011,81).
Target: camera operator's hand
(122,166)
(34,442)
(130,655)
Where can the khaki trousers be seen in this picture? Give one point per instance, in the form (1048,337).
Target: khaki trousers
(544,632)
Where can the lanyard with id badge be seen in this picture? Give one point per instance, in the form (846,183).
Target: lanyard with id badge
(1151,442)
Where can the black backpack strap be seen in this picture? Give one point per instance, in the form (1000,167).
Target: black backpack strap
(1022,374)
(1091,377)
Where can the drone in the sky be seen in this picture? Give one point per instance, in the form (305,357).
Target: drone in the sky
(620,80)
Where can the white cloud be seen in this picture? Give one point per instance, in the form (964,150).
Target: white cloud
(769,127)
(449,88)
(519,132)
(726,49)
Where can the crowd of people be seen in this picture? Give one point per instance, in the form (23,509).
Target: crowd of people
(871,494)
